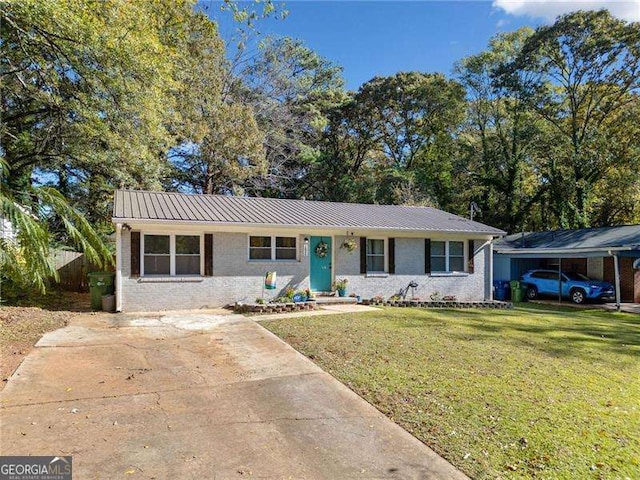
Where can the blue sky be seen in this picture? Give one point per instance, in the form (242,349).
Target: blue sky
(369,38)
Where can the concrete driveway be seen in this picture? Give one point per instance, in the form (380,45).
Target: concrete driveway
(197,396)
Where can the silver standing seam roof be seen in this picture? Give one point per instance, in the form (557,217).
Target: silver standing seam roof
(131,205)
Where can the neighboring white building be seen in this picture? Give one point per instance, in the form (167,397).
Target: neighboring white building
(7,231)
(180,251)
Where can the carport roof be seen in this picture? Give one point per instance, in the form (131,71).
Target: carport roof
(130,206)
(621,239)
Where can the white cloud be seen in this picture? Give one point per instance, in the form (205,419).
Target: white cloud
(549,9)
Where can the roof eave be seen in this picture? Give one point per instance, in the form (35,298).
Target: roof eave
(492,233)
(559,251)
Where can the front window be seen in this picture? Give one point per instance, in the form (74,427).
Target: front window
(187,255)
(375,255)
(456,256)
(273,248)
(447,256)
(260,248)
(171,255)
(286,248)
(438,256)
(157,255)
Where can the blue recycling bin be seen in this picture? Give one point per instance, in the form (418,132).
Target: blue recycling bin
(502,290)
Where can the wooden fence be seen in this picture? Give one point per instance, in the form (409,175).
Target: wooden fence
(73,268)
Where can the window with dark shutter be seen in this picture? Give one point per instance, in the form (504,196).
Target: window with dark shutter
(427,255)
(208,255)
(392,255)
(187,256)
(135,254)
(157,255)
(375,255)
(471,257)
(363,254)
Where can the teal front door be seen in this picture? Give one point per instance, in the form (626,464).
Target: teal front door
(319,264)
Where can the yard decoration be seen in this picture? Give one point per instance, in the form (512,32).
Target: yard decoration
(322,249)
(349,244)
(270,281)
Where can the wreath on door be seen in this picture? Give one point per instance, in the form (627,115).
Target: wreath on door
(322,249)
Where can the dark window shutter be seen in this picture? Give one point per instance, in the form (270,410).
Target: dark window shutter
(208,255)
(135,254)
(427,255)
(392,255)
(471,256)
(363,254)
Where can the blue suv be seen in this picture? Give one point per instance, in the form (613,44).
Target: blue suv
(575,286)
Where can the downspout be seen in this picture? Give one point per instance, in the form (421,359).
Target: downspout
(118,267)
(490,289)
(616,269)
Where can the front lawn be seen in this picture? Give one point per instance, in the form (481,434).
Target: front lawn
(501,394)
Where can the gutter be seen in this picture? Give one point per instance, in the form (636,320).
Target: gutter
(494,233)
(560,251)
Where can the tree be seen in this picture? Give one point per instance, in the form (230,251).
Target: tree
(409,111)
(219,145)
(290,87)
(91,100)
(87,91)
(342,167)
(26,261)
(616,198)
(499,140)
(578,74)
(230,153)
(412,118)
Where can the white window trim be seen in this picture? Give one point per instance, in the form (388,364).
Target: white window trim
(273,248)
(385,243)
(448,271)
(172,254)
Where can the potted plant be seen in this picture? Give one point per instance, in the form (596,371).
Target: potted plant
(341,287)
(349,244)
(311,295)
(299,296)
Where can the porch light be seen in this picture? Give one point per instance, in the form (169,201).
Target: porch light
(305,247)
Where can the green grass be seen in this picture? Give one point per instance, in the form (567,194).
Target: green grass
(530,392)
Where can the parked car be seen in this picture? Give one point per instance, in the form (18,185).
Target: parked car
(575,286)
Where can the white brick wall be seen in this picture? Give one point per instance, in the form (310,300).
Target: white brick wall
(234,279)
(409,254)
(237,279)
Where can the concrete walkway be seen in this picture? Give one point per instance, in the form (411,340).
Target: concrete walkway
(197,396)
(325,310)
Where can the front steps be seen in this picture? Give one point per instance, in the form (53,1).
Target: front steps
(335,300)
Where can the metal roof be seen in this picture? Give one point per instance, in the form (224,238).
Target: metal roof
(131,205)
(626,237)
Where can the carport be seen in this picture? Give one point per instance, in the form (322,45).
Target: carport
(515,254)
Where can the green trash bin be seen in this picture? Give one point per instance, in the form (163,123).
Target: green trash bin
(517,291)
(100,283)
